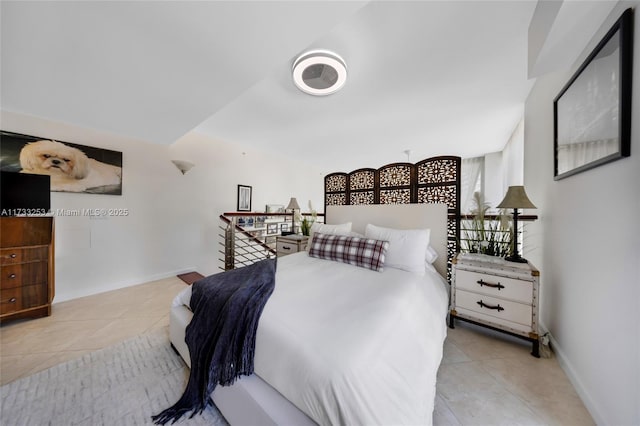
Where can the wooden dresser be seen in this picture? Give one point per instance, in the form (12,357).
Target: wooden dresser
(497,294)
(26,267)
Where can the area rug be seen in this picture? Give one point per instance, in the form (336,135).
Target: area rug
(123,384)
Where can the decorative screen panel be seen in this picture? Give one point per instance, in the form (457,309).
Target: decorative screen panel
(437,171)
(395,196)
(336,199)
(438,194)
(362,179)
(434,180)
(395,175)
(335,182)
(361,197)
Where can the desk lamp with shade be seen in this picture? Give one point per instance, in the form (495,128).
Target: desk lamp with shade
(293,206)
(516,198)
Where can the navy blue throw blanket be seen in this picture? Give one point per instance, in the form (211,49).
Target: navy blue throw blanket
(222,333)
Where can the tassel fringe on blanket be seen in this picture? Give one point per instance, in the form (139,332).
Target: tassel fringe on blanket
(221,336)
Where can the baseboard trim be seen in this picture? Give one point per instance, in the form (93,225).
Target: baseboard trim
(573,377)
(124,284)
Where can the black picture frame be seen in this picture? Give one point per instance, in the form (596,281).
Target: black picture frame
(592,113)
(244,198)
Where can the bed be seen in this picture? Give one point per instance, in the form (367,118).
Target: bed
(340,344)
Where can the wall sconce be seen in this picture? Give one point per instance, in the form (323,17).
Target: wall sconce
(183,166)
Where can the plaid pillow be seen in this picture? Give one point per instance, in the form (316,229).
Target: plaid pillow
(358,251)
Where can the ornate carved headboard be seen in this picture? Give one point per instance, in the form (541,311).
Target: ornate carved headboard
(434,180)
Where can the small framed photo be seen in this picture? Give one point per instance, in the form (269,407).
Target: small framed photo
(244,198)
(274,208)
(272,228)
(284,227)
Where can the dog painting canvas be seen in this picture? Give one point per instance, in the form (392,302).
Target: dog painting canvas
(72,167)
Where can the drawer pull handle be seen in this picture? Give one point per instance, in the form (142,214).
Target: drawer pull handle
(484,305)
(286,248)
(498,286)
(12,276)
(13,255)
(12,300)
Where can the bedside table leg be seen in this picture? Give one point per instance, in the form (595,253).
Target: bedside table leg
(535,348)
(451,321)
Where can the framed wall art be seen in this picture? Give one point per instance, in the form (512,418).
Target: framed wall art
(592,113)
(72,167)
(244,198)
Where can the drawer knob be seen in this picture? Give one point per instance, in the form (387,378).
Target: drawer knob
(13,255)
(484,305)
(12,300)
(12,276)
(498,286)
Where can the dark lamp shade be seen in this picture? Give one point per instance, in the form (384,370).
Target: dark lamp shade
(516,198)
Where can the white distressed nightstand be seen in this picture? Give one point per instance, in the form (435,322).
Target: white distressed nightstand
(494,293)
(291,244)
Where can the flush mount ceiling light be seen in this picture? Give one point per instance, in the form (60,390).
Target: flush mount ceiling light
(319,72)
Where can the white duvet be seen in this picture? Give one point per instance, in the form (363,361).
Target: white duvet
(351,346)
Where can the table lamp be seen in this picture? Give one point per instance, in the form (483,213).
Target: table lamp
(516,198)
(293,205)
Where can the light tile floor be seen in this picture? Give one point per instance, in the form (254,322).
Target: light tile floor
(486,378)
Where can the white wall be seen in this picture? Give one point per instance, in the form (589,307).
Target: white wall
(220,168)
(586,244)
(173,219)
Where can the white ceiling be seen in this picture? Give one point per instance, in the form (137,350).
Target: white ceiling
(435,77)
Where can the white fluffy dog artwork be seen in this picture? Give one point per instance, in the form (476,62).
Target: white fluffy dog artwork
(71,170)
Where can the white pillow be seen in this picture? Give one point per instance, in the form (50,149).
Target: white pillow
(431,255)
(323,228)
(407,247)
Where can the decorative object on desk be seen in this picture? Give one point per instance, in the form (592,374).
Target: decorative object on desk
(284,229)
(293,206)
(516,198)
(592,113)
(183,166)
(244,198)
(486,235)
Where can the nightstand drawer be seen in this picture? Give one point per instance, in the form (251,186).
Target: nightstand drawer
(502,311)
(286,247)
(492,285)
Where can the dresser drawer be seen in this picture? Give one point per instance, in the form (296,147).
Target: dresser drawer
(16,299)
(496,286)
(23,274)
(502,311)
(10,256)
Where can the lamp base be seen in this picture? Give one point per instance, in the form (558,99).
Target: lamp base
(516,258)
